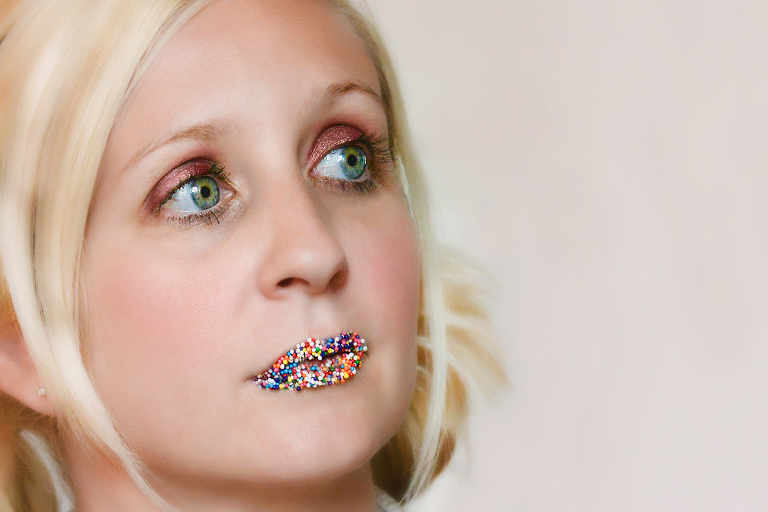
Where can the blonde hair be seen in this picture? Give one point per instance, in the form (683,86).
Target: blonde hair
(66,69)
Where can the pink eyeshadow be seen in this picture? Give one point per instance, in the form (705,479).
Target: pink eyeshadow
(331,139)
(174,178)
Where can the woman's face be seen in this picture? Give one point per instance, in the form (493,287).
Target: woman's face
(245,203)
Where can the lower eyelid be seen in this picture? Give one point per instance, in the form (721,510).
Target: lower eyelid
(211,216)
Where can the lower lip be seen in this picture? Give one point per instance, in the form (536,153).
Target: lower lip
(315,364)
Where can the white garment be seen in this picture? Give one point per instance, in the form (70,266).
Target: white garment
(385,503)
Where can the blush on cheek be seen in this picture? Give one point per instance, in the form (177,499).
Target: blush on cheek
(152,329)
(398,257)
(388,258)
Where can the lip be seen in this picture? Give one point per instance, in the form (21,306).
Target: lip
(315,363)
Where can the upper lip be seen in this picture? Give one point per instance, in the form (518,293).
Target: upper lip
(319,348)
(285,367)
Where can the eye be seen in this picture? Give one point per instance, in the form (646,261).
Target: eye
(197,194)
(347,163)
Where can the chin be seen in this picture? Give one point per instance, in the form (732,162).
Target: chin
(288,438)
(323,434)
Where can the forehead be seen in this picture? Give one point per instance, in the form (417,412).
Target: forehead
(271,33)
(278,54)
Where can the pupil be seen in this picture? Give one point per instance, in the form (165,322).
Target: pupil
(205,192)
(352,160)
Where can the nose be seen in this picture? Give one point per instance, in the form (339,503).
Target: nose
(303,252)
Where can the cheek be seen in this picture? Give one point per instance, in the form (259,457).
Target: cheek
(154,332)
(390,264)
(384,264)
(387,263)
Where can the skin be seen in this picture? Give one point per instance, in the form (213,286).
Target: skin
(181,317)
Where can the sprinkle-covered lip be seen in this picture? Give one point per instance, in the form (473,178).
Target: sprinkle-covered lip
(315,363)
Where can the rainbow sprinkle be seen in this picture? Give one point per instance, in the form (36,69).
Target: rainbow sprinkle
(337,360)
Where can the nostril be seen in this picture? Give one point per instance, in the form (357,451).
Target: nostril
(338,280)
(288,281)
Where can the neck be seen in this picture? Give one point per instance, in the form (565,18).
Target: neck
(102,485)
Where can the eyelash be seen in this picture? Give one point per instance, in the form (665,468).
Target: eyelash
(376,146)
(208,216)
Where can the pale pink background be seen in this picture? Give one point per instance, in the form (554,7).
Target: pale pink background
(607,162)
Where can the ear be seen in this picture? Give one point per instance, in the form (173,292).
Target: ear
(18,377)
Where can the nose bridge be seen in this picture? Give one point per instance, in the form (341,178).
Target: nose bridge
(303,251)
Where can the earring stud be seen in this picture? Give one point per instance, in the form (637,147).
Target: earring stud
(41,392)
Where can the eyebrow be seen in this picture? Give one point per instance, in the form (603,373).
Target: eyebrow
(334,91)
(204,132)
(209,131)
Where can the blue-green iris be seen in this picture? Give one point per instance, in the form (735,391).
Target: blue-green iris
(352,162)
(204,192)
